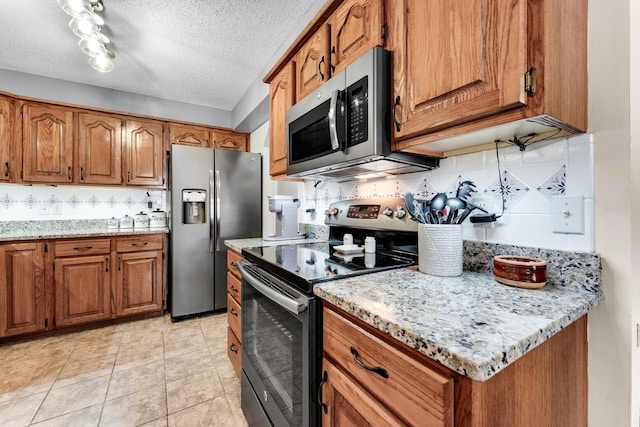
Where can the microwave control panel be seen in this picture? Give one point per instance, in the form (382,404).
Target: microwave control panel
(358,107)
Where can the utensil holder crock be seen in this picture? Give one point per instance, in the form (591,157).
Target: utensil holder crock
(440,249)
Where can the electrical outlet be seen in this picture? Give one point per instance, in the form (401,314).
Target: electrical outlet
(567,214)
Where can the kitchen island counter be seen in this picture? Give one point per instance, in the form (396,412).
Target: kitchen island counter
(471,324)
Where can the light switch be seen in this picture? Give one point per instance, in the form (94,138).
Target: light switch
(567,214)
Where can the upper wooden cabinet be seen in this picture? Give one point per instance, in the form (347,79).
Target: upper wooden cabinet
(229,140)
(7,165)
(356,26)
(47,144)
(143,153)
(188,135)
(22,288)
(312,63)
(99,149)
(281,98)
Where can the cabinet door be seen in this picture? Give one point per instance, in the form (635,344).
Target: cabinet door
(47,144)
(83,289)
(6,138)
(100,149)
(139,282)
(356,27)
(188,135)
(144,153)
(281,98)
(312,63)
(22,289)
(464,59)
(349,405)
(229,140)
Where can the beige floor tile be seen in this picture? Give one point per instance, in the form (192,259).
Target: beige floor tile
(130,338)
(20,411)
(132,358)
(160,422)
(233,397)
(215,412)
(72,397)
(188,364)
(27,380)
(135,409)
(93,349)
(194,389)
(139,378)
(82,370)
(183,344)
(87,417)
(227,374)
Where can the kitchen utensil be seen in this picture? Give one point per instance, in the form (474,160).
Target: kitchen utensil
(454,204)
(408,202)
(141,220)
(520,271)
(126,222)
(157,219)
(417,206)
(436,205)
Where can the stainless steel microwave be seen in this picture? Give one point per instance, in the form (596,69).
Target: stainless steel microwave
(343,129)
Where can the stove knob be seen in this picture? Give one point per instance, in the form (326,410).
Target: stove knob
(331,210)
(400,212)
(387,211)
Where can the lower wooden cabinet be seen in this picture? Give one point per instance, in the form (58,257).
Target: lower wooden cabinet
(22,288)
(234,312)
(138,282)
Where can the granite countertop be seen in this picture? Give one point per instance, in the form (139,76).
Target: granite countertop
(239,244)
(470,323)
(35,230)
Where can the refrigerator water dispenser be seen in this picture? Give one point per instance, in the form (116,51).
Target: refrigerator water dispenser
(193,206)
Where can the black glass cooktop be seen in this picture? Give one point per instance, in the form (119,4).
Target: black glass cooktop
(309,263)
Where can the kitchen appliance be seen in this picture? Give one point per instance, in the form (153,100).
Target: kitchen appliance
(281,318)
(343,129)
(286,225)
(215,195)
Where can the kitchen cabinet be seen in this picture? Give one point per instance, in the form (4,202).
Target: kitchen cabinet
(99,149)
(281,98)
(356,26)
(546,386)
(139,277)
(188,135)
(47,143)
(312,63)
(82,281)
(469,65)
(22,288)
(143,153)
(7,165)
(234,312)
(229,140)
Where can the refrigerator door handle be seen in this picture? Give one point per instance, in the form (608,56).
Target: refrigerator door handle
(218,215)
(211,206)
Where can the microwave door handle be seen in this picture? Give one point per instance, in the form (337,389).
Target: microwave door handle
(333,131)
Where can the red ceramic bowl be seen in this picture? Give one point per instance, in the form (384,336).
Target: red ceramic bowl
(520,271)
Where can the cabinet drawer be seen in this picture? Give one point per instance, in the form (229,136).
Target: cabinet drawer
(234,351)
(82,247)
(145,242)
(232,259)
(234,313)
(412,390)
(234,287)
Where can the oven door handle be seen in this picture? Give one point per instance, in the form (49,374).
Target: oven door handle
(293,306)
(333,112)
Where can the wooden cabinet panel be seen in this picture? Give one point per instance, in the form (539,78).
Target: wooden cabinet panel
(82,247)
(7,136)
(281,98)
(476,61)
(312,63)
(356,27)
(82,289)
(229,140)
(99,149)
(234,313)
(233,258)
(139,282)
(139,243)
(234,351)
(47,144)
(22,288)
(188,135)
(144,157)
(234,287)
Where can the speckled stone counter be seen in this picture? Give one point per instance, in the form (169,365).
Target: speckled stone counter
(34,230)
(470,324)
(316,233)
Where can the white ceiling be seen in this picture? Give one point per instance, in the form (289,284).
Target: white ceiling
(203,52)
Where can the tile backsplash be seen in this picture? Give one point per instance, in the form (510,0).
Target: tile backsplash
(530,178)
(46,202)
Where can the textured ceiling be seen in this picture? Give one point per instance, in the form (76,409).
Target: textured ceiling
(203,52)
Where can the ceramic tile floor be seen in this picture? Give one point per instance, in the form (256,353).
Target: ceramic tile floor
(145,373)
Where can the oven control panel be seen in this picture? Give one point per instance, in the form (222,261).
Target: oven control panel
(385,213)
(363,211)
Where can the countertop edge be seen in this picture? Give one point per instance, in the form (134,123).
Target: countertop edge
(63,234)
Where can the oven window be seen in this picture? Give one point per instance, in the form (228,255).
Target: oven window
(273,342)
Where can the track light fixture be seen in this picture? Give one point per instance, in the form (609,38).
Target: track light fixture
(87,25)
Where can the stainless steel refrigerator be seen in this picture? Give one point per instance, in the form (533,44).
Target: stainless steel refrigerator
(215,195)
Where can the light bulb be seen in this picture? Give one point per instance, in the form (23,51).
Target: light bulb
(92,47)
(102,63)
(77,8)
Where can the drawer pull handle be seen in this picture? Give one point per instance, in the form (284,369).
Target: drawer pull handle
(6,169)
(234,312)
(140,244)
(320,68)
(395,120)
(234,348)
(233,264)
(325,378)
(233,289)
(380,371)
(85,248)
